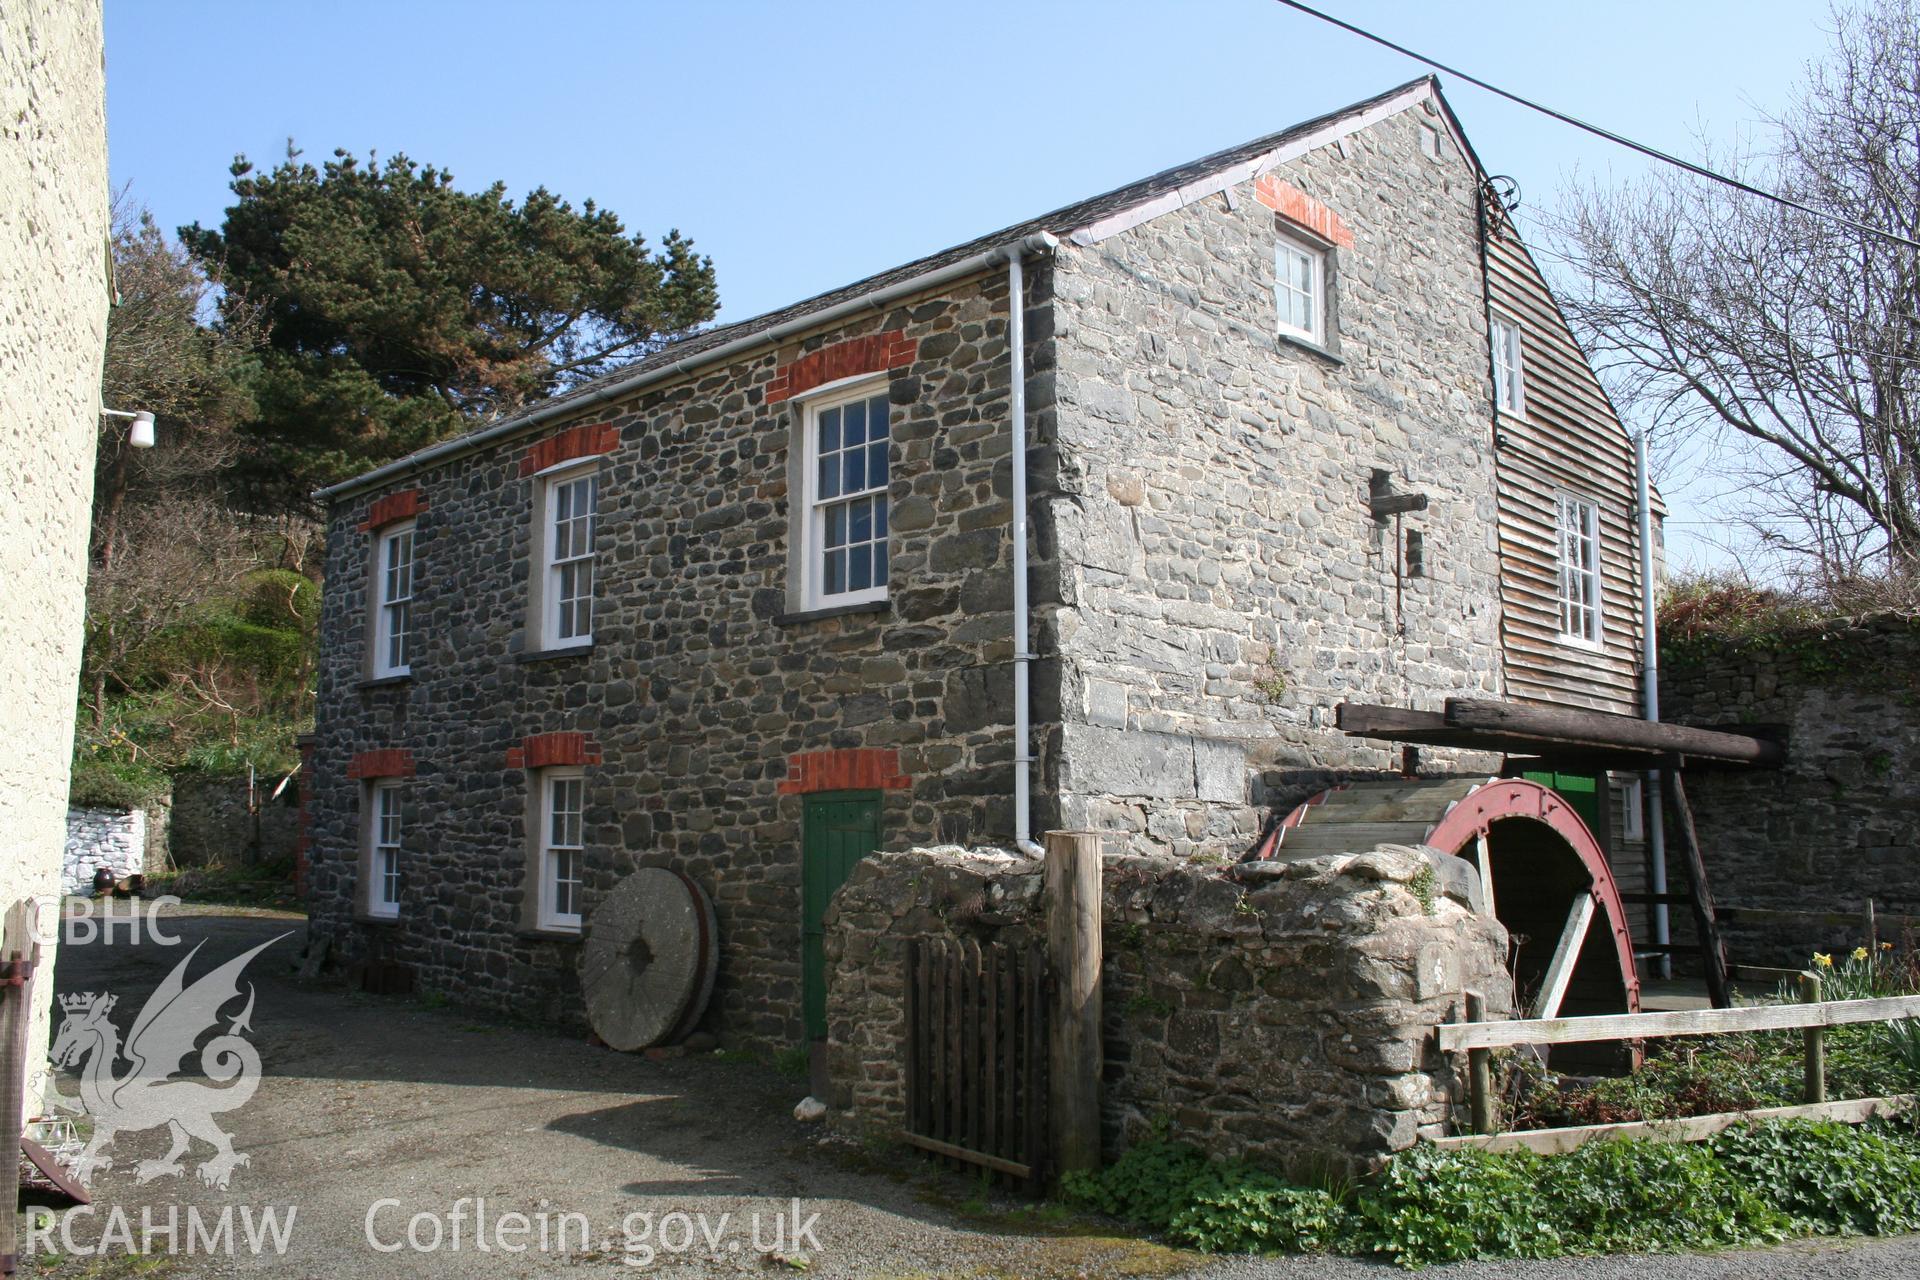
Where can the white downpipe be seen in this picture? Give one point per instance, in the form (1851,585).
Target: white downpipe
(1022,624)
(1650,701)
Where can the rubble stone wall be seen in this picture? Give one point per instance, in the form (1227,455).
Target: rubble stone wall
(1224,583)
(1277,1011)
(1840,823)
(705,709)
(212,824)
(112,838)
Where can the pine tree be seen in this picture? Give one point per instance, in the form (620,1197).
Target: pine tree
(401,310)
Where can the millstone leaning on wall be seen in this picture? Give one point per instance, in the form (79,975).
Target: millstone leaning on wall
(1280,1012)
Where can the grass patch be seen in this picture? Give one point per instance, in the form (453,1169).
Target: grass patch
(118,1266)
(1752,1185)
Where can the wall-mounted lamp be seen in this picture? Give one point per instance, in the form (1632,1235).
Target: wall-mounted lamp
(140,434)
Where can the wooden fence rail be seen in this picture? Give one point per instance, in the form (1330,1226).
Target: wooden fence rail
(1811,1017)
(1455,1036)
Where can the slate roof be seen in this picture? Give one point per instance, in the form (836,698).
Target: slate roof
(1061,222)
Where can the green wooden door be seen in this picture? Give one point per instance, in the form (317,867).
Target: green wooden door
(840,828)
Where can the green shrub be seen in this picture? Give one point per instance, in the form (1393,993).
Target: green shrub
(1149,1186)
(1430,1205)
(110,782)
(1831,1178)
(1749,1186)
(1651,1197)
(1260,1214)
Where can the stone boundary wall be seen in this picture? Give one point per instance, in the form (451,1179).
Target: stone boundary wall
(212,826)
(1276,1011)
(1841,822)
(113,838)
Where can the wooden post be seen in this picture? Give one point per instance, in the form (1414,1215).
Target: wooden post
(1480,1073)
(1873,934)
(1074,1040)
(1713,947)
(19,946)
(1816,1042)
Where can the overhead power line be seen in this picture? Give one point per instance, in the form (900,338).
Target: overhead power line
(1655,153)
(1642,288)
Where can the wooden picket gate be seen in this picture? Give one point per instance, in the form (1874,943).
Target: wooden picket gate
(977,1026)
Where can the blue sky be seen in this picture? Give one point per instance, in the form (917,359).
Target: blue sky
(806,144)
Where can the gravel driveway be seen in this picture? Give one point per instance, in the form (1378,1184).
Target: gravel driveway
(377,1117)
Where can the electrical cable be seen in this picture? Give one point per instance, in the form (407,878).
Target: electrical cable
(1655,153)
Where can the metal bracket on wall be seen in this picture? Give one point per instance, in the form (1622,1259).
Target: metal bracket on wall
(1382,501)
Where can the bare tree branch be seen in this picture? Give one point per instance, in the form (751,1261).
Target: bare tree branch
(1707,312)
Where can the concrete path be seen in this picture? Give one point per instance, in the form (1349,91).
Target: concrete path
(388,1130)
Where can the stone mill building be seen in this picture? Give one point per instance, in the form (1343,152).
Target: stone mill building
(1292,425)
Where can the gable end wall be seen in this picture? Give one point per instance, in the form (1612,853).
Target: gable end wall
(1225,584)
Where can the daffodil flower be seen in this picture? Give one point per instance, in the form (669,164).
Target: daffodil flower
(1823,960)
(1859,953)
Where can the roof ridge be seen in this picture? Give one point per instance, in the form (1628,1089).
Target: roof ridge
(1067,218)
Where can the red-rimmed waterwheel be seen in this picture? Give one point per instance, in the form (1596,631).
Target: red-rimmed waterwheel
(1546,875)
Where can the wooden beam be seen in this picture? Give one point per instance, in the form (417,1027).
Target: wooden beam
(1368,720)
(999,1165)
(1553,989)
(1811,919)
(1662,899)
(1713,947)
(1076,1054)
(1571,727)
(1814,1041)
(1455,1036)
(1732,913)
(1551,1142)
(1770,974)
(1430,729)
(1483,858)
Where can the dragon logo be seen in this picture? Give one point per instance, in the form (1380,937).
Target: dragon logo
(144,1097)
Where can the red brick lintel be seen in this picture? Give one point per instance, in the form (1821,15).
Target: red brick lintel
(585,441)
(387,762)
(392,509)
(847,769)
(546,750)
(1301,209)
(873,354)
